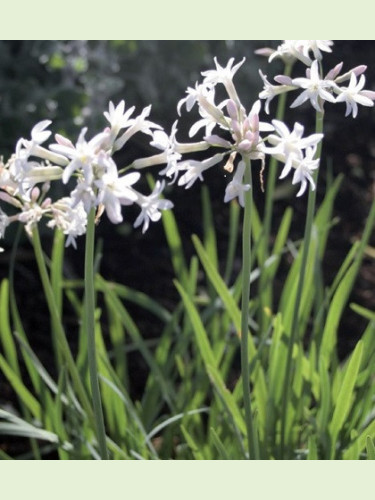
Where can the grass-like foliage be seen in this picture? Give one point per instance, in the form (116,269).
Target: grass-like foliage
(192,406)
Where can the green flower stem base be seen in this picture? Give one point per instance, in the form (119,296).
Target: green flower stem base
(58,330)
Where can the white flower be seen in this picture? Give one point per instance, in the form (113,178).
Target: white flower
(115,191)
(70,218)
(170,156)
(290,50)
(315,88)
(25,148)
(38,136)
(138,124)
(7,181)
(225,76)
(151,206)
(82,155)
(222,74)
(270,91)
(303,170)
(289,146)
(316,46)
(236,188)
(205,97)
(117,116)
(31,215)
(194,169)
(354,95)
(191,98)
(210,113)
(83,193)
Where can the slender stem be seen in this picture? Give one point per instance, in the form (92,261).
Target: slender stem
(271,180)
(246,269)
(58,328)
(266,291)
(90,328)
(56,275)
(301,280)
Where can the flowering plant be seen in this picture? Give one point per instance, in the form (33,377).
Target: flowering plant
(255,352)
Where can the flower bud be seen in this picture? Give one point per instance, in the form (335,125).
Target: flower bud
(232,109)
(35,193)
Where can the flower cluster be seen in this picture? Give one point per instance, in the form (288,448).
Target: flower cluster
(316,87)
(232,137)
(236,135)
(292,50)
(98,183)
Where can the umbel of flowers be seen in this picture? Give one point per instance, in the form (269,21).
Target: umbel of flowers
(316,87)
(236,134)
(232,133)
(25,179)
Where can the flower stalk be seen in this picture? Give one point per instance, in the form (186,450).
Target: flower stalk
(252,437)
(90,330)
(301,280)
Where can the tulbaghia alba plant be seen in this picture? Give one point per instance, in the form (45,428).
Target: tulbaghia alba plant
(241,137)
(98,187)
(285,387)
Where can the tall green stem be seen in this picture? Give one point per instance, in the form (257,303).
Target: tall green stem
(272,172)
(90,329)
(246,269)
(58,330)
(296,312)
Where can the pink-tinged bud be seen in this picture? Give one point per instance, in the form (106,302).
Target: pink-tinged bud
(232,109)
(252,137)
(358,70)
(368,93)
(46,203)
(246,124)
(10,199)
(264,52)
(215,140)
(35,193)
(236,128)
(254,123)
(283,80)
(63,141)
(332,74)
(245,146)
